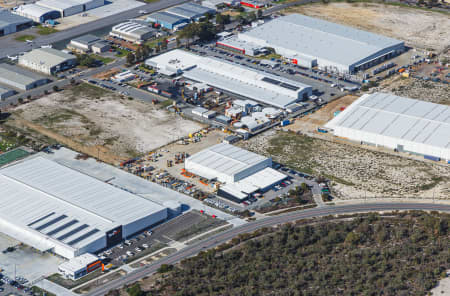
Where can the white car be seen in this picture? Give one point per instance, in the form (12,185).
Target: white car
(129,253)
(138,250)
(145,246)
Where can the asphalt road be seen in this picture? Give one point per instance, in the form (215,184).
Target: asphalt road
(223,237)
(9,48)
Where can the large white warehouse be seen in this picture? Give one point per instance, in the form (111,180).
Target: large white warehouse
(310,41)
(398,123)
(242,172)
(54,208)
(66,7)
(257,85)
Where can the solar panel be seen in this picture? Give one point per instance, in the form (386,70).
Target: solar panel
(72,232)
(62,227)
(289,86)
(83,237)
(270,80)
(56,220)
(40,219)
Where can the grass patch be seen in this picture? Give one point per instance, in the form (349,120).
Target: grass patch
(45,30)
(24,38)
(121,52)
(166,103)
(154,42)
(338,180)
(41,292)
(70,284)
(104,60)
(12,155)
(270,56)
(89,90)
(434,182)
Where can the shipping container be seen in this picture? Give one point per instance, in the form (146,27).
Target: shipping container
(322,130)
(285,122)
(430,157)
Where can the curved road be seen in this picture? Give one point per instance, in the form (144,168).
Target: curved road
(8,48)
(225,236)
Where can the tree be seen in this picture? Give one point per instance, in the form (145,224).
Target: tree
(135,290)
(206,31)
(86,60)
(259,13)
(189,32)
(165,268)
(20,100)
(222,19)
(55,88)
(131,58)
(72,81)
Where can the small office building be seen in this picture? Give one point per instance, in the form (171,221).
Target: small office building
(79,266)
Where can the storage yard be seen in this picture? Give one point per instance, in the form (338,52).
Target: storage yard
(356,172)
(418,28)
(102,124)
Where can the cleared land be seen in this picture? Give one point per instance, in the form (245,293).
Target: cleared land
(418,28)
(356,172)
(101,123)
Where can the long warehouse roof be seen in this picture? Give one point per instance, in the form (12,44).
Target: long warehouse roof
(319,38)
(226,158)
(65,204)
(18,75)
(7,18)
(48,56)
(398,117)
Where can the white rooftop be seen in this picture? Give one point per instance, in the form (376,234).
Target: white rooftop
(64,204)
(77,263)
(226,158)
(318,38)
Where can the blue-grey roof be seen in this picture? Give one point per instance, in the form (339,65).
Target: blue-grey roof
(321,39)
(190,10)
(166,17)
(87,39)
(7,18)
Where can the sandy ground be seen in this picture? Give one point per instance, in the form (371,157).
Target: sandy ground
(93,117)
(418,28)
(356,172)
(311,122)
(417,89)
(443,288)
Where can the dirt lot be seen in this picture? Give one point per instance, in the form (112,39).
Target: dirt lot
(310,123)
(417,89)
(355,172)
(101,123)
(418,28)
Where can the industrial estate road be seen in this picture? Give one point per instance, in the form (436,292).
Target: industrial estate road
(9,49)
(225,236)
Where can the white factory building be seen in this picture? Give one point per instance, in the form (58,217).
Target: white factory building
(245,81)
(57,209)
(133,32)
(399,123)
(37,13)
(308,42)
(47,60)
(241,172)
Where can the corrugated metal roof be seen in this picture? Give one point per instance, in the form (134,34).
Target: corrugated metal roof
(398,117)
(47,197)
(226,158)
(7,18)
(190,10)
(18,75)
(166,17)
(58,4)
(318,38)
(87,39)
(46,56)
(34,10)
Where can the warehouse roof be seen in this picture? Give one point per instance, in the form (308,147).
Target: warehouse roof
(4,90)
(58,4)
(79,262)
(87,39)
(67,205)
(190,10)
(132,28)
(18,75)
(49,56)
(226,158)
(34,10)
(319,38)
(248,82)
(166,17)
(398,117)
(7,18)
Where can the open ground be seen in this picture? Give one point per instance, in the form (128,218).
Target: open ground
(102,124)
(355,172)
(418,28)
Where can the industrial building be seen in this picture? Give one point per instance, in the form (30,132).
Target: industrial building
(399,123)
(133,32)
(168,20)
(214,4)
(47,60)
(83,43)
(308,42)
(5,92)
(190,11)
(241,172)
(37,13)
(20,78)
(54,208)
(79,266)
(90,4)
(11,23)
(65,8)
(257,85)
